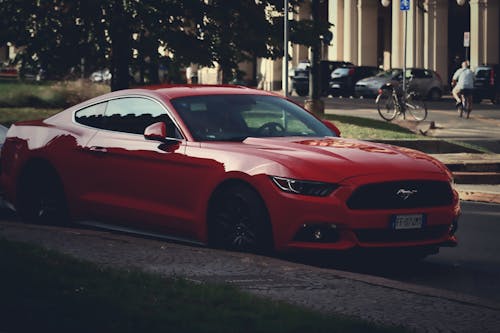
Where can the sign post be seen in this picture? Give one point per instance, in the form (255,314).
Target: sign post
(467,44)
(404,5)
(284,75)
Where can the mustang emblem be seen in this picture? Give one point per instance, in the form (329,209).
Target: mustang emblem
(405,194)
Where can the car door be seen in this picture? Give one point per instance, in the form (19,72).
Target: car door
(137,180)
(420,81)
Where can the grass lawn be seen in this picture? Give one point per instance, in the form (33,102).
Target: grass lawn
(364,128)
(14,93)
(43,291)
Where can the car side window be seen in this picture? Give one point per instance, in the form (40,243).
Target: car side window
(427,74)
(134,114)
(91,116)
(417,73)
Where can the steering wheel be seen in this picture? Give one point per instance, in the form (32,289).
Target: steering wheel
(270,128)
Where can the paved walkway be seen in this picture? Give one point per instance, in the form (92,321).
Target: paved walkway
(372,298)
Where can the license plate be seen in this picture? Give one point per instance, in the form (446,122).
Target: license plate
(414,221)
(335,85)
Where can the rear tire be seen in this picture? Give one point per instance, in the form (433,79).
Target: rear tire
(386,106)
(238,220)
(435,94)
(41,198)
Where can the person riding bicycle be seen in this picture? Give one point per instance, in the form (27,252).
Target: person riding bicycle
(463,79)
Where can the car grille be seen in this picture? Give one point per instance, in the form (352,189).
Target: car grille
(402,194)
(394,236)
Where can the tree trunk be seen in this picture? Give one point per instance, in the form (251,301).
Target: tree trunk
(315,104)
(121,49)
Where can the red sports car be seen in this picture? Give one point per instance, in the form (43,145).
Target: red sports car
(227,166)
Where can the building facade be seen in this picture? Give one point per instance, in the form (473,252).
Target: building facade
(439,35)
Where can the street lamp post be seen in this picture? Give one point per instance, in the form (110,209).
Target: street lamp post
(285,48)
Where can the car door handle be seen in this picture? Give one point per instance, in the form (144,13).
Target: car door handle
(97,149)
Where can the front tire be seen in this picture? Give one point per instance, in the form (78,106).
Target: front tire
(417,108)
(238,220)
(386,106)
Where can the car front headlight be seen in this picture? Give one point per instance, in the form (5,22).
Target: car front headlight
(304,187)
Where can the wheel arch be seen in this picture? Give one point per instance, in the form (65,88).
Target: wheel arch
(35,167)
(226,184)
(434,94)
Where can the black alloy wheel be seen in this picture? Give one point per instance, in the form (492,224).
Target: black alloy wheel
(238,220)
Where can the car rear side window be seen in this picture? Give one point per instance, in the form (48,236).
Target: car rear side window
(91,116)
(134,114)
(483,73)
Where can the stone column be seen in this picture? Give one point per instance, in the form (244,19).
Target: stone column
(350,31)
(484,32)
(367,32)
(397,36)
(300,52)
(336,16)
(436,37)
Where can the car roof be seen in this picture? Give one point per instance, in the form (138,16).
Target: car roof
(166,92)
(175,91)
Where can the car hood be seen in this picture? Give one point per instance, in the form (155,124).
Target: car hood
(334,159)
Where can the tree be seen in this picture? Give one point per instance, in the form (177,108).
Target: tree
(238,31)
(60,35)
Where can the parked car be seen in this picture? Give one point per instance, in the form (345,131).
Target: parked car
(343,79)
(9,73)
(487,83)
(101,76)
(426,82)
(230,167)
(300,80)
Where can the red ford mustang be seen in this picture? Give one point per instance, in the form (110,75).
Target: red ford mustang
(227,166)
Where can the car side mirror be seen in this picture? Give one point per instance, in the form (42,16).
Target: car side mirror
(156,131)
(331,126)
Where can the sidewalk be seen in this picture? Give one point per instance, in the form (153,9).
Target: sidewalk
(488,192)
(420,309)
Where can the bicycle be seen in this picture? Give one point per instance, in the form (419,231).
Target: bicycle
(391,103)
(466,105)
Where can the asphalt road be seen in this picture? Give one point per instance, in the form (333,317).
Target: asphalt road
(472,268)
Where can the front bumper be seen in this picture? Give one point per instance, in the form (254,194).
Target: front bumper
(327,223)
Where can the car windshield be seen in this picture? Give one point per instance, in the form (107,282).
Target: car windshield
(390,73)
(341,71)
(236,117)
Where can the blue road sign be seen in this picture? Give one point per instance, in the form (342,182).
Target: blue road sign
(404,4)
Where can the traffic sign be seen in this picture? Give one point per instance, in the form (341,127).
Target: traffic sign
(466,39)
(404,5)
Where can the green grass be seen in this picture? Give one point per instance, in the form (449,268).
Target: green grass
(47,94)
(364,128)
(9,116)
(43,291)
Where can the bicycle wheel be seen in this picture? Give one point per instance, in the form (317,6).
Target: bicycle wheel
(417,108)
(386,106)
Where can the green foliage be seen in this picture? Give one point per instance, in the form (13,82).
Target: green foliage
(45,291)
(62,37)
